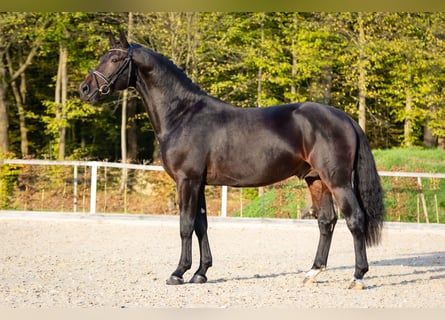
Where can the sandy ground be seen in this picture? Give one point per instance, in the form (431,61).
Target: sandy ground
(122,261)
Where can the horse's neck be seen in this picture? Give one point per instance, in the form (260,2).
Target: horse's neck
(167,98)
(164,107)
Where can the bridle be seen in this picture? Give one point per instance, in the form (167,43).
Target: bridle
(105,88)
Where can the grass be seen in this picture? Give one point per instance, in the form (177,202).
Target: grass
(412,160)
(403,197)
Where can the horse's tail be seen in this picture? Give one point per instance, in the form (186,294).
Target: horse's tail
(368,189)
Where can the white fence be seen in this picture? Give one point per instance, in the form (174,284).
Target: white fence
(75,164)
(95,165)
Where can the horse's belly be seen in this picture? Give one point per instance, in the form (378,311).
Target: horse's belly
(255,173)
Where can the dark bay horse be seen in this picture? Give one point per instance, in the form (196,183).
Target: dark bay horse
(205,141)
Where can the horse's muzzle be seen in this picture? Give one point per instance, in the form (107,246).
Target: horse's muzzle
(85,92)
(84,89)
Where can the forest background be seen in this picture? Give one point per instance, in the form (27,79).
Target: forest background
(386,70)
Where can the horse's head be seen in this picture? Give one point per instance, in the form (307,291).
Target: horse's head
(114,72)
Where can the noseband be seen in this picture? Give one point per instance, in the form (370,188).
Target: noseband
(105,88)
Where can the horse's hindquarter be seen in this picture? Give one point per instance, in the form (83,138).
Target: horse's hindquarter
(330,141)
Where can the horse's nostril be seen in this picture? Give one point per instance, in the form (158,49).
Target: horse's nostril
(85,89)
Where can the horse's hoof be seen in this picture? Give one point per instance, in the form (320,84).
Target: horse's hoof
(309,281)
(357,284)
(197,278)
(175,280)
(311,275)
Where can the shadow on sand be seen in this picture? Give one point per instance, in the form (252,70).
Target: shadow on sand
(434,260)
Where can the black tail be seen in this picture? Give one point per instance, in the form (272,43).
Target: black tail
(368,189)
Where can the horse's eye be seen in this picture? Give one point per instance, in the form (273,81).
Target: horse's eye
(114,60)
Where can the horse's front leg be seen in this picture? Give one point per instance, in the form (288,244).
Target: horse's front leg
(188,191)
(201,233)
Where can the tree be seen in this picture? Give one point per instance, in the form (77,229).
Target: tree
(15,28)
(385,69)
(4,107)
(414,72)
(436,104)
(309,46)
(65,109)
(356,31)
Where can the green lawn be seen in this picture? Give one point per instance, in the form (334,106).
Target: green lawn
(403,197)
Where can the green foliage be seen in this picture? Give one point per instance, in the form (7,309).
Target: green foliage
(8,180)
(247,59)
(74,110)
(249,193)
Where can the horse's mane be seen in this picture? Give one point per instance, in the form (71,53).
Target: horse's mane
(179,74)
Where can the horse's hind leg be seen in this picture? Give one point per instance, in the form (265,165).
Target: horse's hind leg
(323,207)
(355,220)
(201,233)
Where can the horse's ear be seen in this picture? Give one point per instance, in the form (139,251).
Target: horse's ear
(123,40)
(112,40)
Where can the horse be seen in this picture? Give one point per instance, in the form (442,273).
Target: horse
(206,141)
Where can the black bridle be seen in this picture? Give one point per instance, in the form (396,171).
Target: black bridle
(104,89)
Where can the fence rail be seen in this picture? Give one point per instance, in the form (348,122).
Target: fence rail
(411,174)
(94,165)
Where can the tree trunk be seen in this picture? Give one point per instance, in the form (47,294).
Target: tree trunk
(124,119)
(20,99)
(429,140)
(260,68)
(4,108)
(293,87)
(294,52)
(124,126)
(362,75)
(408,126)
(19,95)
(192,44)
(260,84)
(441,143)
(320,89)
(326,83)
(132,138)
(124,107)
(60,99)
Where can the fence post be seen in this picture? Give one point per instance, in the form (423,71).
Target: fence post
(224,201)
(75,189)
(422,197)
(93,187)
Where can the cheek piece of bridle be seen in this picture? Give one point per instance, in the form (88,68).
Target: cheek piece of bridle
(104,89)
